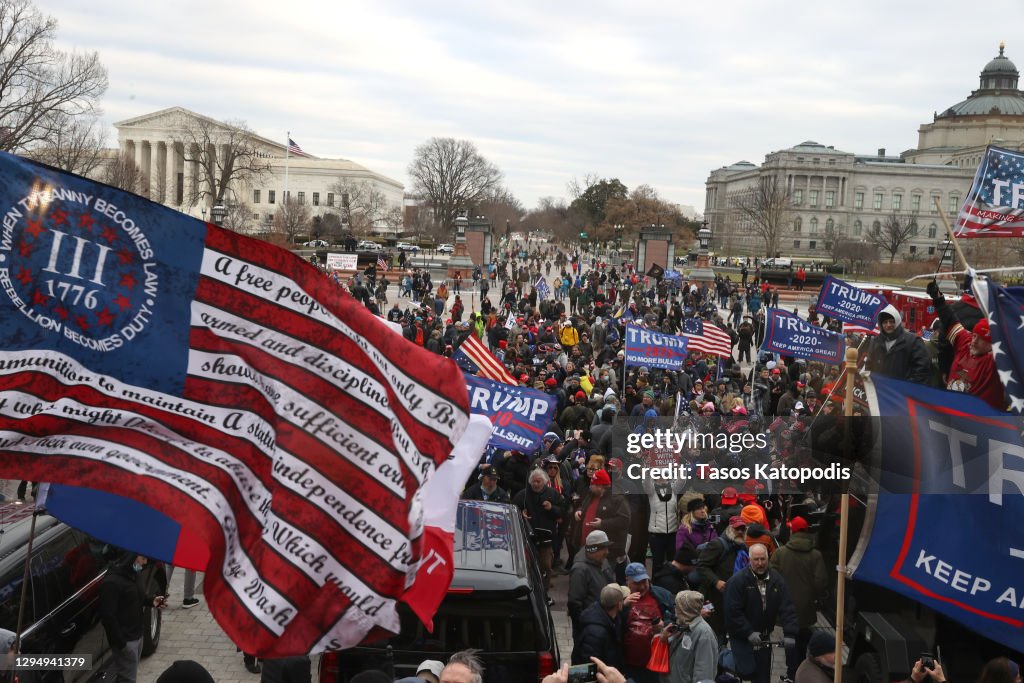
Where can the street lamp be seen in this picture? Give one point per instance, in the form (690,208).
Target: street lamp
(618,227)
(204,213)
(704,237)
(218,213)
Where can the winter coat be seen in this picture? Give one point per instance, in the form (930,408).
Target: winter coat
(694,536)
(698,661)
(586,580)
(533,504)
(663,517)
(476,492)
(121,603)
(743,612)
(905,358)
(598,636)
(810,672)
(803,568)
(613,511)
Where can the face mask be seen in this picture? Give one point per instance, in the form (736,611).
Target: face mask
(136,567)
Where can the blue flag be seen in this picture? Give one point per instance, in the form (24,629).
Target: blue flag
(519,416)
(957,468)
(654,349)
(850,304)
(1005,306)
(789,335)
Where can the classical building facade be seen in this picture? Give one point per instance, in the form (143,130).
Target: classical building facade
(840,195)
(157,143)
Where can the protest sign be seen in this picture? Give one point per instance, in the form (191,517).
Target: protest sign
(789,335)
(519,416)
(654,349)
(848,303)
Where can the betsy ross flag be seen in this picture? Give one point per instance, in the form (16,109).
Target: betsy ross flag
(1004,308)
(226,384)
(706,337)
(382,264)
(293,147)
(478,359)
(995,204)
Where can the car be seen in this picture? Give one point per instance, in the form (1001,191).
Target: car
(496,602)
(405,246)
(445,249)
(367,245)
(781,262)
(316,243)
(61,609)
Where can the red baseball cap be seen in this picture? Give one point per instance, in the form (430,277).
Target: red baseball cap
(798,524)
(524,378)
(601,478)
(752,485)
(729,496)
(580,394)
(982,329)
(551,381)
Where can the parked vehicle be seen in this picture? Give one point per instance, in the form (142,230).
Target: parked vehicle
(782,262)
(445,249)
(319,244)
(61,611)
(405,246)
(367,245)
(496,602)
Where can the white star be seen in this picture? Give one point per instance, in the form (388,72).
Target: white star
(992,319)
(1021,323)
(1017,403)
(996,350)
(1006,376)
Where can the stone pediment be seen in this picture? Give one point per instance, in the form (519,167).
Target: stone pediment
(170,118)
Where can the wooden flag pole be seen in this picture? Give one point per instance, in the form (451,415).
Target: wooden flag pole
(844,514)
(949,231)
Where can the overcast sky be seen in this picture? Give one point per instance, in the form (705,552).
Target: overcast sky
(649,91)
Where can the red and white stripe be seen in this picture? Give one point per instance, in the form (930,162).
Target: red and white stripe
(858,329)
(488,364)
(714,341)
(977,220)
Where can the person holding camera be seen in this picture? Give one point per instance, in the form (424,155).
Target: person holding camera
(926,668)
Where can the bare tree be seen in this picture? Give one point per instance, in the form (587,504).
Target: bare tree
(501,208)
(226,157)
(451,175)
(123,173)
(856,254)
(292,219)
(362,206)
(41,87)
(239,217)
(76,145)
(328,226)
(764,208)
(893,234)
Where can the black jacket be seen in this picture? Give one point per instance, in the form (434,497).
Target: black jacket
(743,612)
(533,504)
(599,636)
(906,359)
(476,492)
(613,511)
(121,602)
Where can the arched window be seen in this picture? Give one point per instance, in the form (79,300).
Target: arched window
(829,226)
(932,231)
(814,226)
(798,225)
(876,227)
(858,228)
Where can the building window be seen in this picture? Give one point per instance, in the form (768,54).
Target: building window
(344,200)
(302,197)
(813,197)
(954,203)
(830,198)
(330,199)
(934,204)
(814,226)
(932,230)
(913,249)
(858,228)
(796,244)
(798,225)
(858,200)
(798,197)
(913,229)
(931,251)
(255,196)
(286,195)
(271,196)
(876,227)
(830,225)
(316,199)
(897,201)
(812,245)
(255,216)
(915,202)
(878,201)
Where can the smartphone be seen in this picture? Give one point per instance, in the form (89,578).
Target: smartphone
(583,673)
(708,607)
(927,660)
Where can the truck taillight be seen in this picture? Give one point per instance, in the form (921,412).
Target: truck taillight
(329,667)
(546,665)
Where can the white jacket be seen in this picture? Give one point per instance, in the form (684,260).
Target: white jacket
(664,517)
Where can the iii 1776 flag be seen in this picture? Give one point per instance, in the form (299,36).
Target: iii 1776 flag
(995,205)
(232,387)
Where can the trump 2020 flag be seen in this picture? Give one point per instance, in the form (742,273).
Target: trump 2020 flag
(943,528)
(843,301)
(1004,307)
(995,205)
(519,416)
(230,386)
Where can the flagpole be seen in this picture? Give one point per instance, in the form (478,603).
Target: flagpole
(287,147)
(949,231)
(25,581)
(1008,269)
(844,515)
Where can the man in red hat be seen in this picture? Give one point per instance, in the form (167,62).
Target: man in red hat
(729,507)
(803,568)
(602,510)
(974,368)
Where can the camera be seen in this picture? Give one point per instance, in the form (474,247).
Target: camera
(583,673)
(715,519)
(928,660)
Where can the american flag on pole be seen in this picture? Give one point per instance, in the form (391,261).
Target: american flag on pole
(382,264)
(227,384)
(293,147)
(481,361)
(706,337)
(859,329)
(995,204)
(1004,308)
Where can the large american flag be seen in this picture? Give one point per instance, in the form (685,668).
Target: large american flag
(229,385)
(293,147)
(481,361)
(995,207)
(1004,308)
(706,337)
